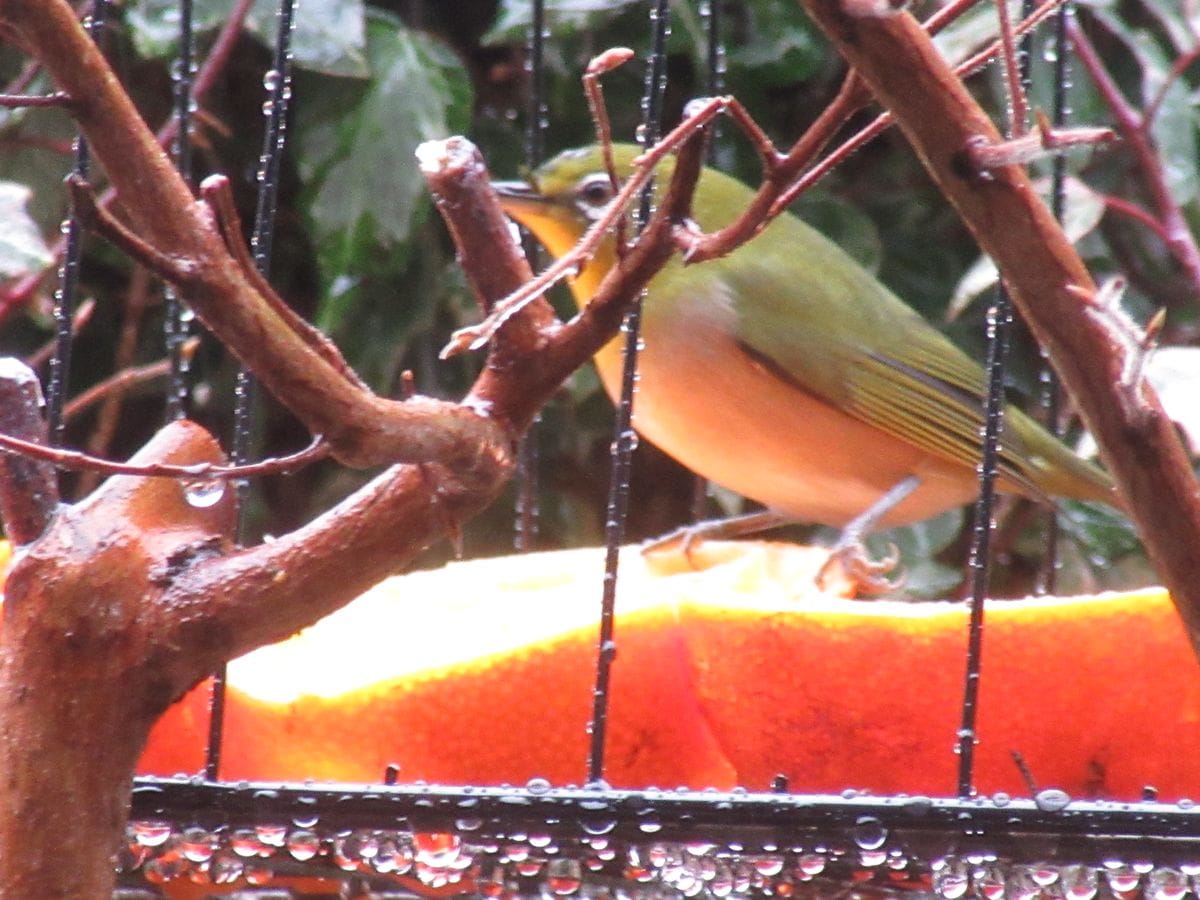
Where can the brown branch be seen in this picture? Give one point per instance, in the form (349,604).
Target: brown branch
(28,488)
(15,295)
(939,117)
(181,239)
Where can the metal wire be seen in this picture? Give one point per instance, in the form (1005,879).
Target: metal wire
(1060,115)
(277,82)
(624,438)
(64,296)
(711,15)
(535,129)
(999,322)
(175,329)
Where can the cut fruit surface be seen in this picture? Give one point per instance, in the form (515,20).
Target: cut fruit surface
(731,668)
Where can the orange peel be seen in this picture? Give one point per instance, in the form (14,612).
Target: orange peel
(731,668)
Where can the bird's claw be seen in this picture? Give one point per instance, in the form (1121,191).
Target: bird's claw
(852,560)
(681,540)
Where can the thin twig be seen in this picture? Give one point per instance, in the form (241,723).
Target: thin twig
(1131,210)
(83,315)
(76,460)
(19,101)
(602,65)
(476,336)
(1018,104)
(137,299)
(117,384)
(1132,127)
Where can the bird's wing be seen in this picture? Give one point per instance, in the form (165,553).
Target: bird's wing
(837,333)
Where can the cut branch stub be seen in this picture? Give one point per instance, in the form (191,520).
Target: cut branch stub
(82,673)
(28,487)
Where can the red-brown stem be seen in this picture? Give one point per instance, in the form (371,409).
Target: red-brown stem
(1133,127)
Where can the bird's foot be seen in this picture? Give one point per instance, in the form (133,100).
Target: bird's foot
(685,539)
(849,559)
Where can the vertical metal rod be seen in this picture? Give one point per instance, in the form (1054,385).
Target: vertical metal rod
(277,83)
(711,13)
(1060,115)
(535,129)
(175,329)
(999,322)
(64,296)
(999,329)
(624,439)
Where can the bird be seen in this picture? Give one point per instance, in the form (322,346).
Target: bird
(787,373)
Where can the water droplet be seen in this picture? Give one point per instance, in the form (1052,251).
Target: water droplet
(811,864)
(196,844)
(529,867)
(768,866)
(151,834)
(598,826)
(437,849)
(989,882)
(951,881)
(1043,876)
(271,835)
(537,786)
(203,494)
(1052,800)
(1167,884)
(1080,882)
(245,843)
(563,877)
(1121,878)
(303,845)
(869,833)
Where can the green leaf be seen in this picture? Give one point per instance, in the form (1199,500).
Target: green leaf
(972,30)
(329,35)
(772,42)
(515,17)
(22,249)
(1082,212)
(1103,534)
(356,141)
(919,543)
(1174,125)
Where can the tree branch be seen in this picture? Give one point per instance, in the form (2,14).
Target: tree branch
(894,56)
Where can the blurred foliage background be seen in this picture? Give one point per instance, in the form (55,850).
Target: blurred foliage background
(360,252)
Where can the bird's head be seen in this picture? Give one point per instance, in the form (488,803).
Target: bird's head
(565,195)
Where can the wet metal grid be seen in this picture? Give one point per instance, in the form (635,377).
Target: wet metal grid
(539,840)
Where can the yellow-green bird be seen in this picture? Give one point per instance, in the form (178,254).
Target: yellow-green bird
(790,375)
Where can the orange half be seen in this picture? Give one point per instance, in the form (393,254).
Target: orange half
(731,668)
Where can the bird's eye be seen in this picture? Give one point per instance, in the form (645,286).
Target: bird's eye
(594,193)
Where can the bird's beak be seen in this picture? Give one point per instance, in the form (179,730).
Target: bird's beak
(520,199)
